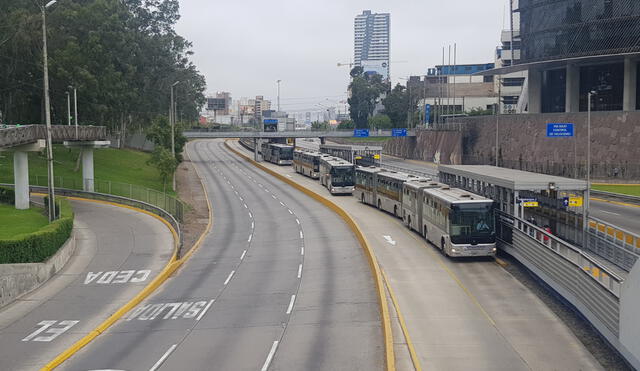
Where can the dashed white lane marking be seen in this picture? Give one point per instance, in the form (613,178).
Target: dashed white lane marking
(265,367)
(301,235)
(250,215)
(250,237)
(300,271)
(243,254)
(163,358)
(229,278)
(245,206)
(241,199)
(274,197)
(302,251)
(281,203)
(290,308)
(252,225)
(298,221)
(609,212)
(205,310)
(266,190)
(290,212)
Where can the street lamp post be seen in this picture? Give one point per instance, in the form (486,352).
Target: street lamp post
(75,108)
(47,113)
(68,109)
(278,82)
(588,200)
(172,121)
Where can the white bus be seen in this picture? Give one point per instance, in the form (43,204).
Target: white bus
(307,162)
(365,188)
(382,188)
(412,202)
(458,222)
(337,175)
(279,154)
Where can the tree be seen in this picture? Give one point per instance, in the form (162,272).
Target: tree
(160,134)
(162,159)
(346,125)
(479,111)
(320,125)
(396,104)
(380,122)
(365,92)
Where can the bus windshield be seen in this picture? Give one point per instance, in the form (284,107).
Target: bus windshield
(472,223)
(286,153)
(342,176)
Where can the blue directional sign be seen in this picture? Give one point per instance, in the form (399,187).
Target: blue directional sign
(427,113)
(398,132)
(559,130)
(270,121)
(565,201)
(361,133)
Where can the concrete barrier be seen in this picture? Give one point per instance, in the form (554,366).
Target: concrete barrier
(17,280)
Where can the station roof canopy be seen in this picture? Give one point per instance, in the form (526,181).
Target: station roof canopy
(516,180)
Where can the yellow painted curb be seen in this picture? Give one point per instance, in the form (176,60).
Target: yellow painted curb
(375,267)
(166,272)
(405,330)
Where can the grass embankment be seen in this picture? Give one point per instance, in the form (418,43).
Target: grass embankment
(628,189)
(114,165)
(15,222)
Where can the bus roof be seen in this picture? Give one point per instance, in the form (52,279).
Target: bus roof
(455,195)
(335,161)
(369,169)
(351,147)
(422,183)
(398,175)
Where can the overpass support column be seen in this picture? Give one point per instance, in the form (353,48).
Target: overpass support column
(21,171)
(535,90)
(86,148)
(630,84)
(572,99)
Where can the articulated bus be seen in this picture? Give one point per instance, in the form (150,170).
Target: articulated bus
(412,202)
(458,222)
(307,163)
(279,154)
(382,188)
(337,175)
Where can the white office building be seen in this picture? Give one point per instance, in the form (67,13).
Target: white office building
(371,42)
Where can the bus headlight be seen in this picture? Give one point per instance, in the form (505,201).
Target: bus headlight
(453,250)
(494,249)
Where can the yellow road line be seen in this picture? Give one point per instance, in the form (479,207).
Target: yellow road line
(373,262)
(405,331)
(617,184)
(501,262)
(614,202)
(166,272)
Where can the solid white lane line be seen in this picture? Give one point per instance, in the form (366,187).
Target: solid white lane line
(250,237)
(290,308)
(300,271)
(302,250)
(163,358)
(265,367)
(229,278)
(243,254)
(205,310)
(301,235)
(290,212)
(298,221)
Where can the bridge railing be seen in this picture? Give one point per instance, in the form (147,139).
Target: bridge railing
(206,133)
(18,135)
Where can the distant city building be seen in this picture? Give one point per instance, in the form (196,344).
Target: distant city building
(220,104)
(259,105)
(510,85)
(372,42)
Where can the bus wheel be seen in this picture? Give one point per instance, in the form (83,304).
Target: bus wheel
(362,198)
(395,211)
(424,228)
(409,221)
(379,205)
(444,251)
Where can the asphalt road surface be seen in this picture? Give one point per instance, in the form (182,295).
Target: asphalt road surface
(118,252)
(279,283)
(462,314)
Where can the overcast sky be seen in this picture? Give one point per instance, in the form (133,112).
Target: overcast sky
(245,46)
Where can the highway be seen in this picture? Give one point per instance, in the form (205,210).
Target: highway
(279,283)
(118,252)
(467,314)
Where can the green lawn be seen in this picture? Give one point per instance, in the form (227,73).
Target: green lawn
(115,165)
(633,190)
(14,222)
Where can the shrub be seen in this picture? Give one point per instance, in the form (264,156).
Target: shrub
(38,246)
(7,196)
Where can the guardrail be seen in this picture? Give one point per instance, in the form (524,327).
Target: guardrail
(613,243)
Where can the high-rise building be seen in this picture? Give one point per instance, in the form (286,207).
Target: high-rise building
(371,42)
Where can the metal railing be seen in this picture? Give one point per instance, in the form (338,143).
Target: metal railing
(613,243)
(18,135)
(159,199)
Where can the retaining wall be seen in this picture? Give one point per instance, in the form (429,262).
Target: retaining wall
(17,280)
(443,147)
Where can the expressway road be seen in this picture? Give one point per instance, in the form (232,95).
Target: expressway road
(462,314)
(118,252)
(279,283)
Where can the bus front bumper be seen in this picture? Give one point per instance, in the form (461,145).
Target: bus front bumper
(473,250)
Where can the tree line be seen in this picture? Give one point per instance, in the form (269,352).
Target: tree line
(122,56)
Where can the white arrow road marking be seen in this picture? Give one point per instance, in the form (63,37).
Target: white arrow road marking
(390,240)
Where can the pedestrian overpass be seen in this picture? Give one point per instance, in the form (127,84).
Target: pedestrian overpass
(208,134)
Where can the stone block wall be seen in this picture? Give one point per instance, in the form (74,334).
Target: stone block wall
(443,147)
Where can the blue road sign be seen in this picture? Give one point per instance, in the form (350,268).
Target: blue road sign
(270,121)
(565,201)
(427,113)
(398,132)
(559,130)
(361,133)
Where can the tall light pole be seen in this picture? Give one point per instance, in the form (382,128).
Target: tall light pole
(172,121)
(47,114)
(278,82)
(588,200)
(75,108)
(68,109)
(498,119)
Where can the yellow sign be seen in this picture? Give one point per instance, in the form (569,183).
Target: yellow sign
(575,201)
(530,204)
(358,157)
(377,157)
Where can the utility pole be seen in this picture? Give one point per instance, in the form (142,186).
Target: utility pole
(47,110)
(588,200)
(498,119)
(68,109)
(75,107)
(278,82)
(172,120)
